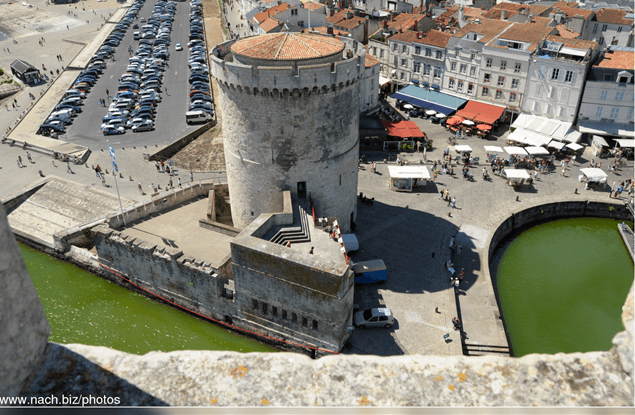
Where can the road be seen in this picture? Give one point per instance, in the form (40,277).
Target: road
(170,122)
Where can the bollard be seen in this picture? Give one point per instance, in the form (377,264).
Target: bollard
(576,191)
(106,171)
(120,176)
(122,148)
(130,178)
(449,214)
(41,174)
(517,198)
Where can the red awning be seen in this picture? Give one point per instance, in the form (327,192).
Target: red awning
(470,115)
(485,109)
(403,129)
(486,119)
(484,127)
(456,120)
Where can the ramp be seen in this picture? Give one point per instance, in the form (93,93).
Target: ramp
(61,205)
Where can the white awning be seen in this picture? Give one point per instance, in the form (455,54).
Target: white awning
(572,51)
(516,151)
(573,136)
(574,146)
(594,174)
(383,81)
(535,139)
(409,172)
(517,136)
(599,140)
(517,174)
(521,121)
(493,149)
(558,145)
(535,151)
(625,143)
(463,149)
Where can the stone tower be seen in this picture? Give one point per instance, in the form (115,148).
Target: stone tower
(290,108)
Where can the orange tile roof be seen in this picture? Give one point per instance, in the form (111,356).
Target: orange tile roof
(473,12)
(407,36)
(351,23)
(573,43)
(566,33)
(324,30)
(528,32)
(572,11)
(270,24)
(313,5)
(488,28)
(287,46)
(371,61)
(444,18)
(435,38)
(533,8)
(495,14)
(341,15)
(270,12)
(614,16)
(617,60)
(405,21)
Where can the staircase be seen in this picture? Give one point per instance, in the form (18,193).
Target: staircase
(296,234)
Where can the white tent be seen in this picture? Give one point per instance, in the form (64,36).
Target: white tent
(519,151)
(517,174)
(574,146)
(537,151)
(625,143)
(404,178)
(493,149)
(558,145)
(595,174)
(463,149)
(517,136)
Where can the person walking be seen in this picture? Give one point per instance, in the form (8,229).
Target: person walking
(162,166)
(107,93)
(53,161)
(454,203)
(167,170)
(20,162)
(170,183)
(457,323)
(179,181)
(140,187)
(191,176)
(68,167)
(28,156)
(103,181)
(156,163)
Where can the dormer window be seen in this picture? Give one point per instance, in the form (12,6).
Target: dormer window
(624,77)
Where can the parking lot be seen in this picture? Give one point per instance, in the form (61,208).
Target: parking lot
(170,123)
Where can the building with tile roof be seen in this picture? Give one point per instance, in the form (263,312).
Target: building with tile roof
(369,84)
(607,102)
(324,30)
(271,25)
(612,27)
(557,74)
(347,20)
(573,18)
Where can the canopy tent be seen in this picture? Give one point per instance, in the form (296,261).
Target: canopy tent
(517,136)
(517,174)
(574,146)
(517,151)
(558,145)
(606,128)
(481,113)
(543,129)
(536,139)
(493,149)
(463,149)
(484,127)
(429,99)
(624,143)
(403,129)
(594,174)
(405,178)
(383,81)
(537,151)
(468,122)
(456,120)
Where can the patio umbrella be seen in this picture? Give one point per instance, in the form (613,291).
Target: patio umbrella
(484,127)
(468,122)
(430,112)
(456,120)
(440,115)
(408,107)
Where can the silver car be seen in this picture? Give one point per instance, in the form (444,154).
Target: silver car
(374,317)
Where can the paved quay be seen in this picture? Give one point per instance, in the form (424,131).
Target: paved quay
(409,231)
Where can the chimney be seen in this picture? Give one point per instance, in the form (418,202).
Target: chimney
(348,15)
(419,35)
(392,17)
(503,14)
(384,24)
(329,30)
(400,31)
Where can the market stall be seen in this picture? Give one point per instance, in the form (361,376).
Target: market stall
(515,151)
(517,177)
(406,178)
(599,146)
(593,176)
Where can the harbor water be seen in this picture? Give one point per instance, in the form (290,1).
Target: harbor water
(562,285)
(84,308)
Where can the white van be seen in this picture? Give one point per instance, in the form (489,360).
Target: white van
(136,35)
(64,113)
(60,115)
(74,93)
(197,116)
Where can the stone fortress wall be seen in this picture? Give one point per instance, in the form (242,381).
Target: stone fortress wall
(284,125)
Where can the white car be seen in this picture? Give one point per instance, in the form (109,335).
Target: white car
(178,46)
(374,317)
(113,130)
(113,123)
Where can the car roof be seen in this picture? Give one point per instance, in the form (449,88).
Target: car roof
(381,312)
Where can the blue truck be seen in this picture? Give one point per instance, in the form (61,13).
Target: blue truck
(369,272)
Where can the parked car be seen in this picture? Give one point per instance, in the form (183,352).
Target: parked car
(369,272)
(147,126)
(178,47)
(374,317)
(113,130)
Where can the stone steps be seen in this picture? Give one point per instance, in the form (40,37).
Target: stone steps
(24,229)
(295,234)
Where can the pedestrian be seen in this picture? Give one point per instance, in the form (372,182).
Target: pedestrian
(166,90)
(289,244)
(53,161)
(457,323)
(107,93)
(459,248)
(449,199)
(28,156)
(156,163)
(179,181)
(103,181)
(57,71)
(454,203)
(13,106)
(68,167)
(311,251)
(170,163)
(140,187)
(167,170)
(19,161)
(170,183)
(162,166)
(191,176)
(442,194)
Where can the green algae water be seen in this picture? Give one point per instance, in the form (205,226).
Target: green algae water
(562,285)
(84,308)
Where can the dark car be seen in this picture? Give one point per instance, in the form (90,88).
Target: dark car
(45,129)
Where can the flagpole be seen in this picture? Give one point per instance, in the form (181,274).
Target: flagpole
(120,205)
